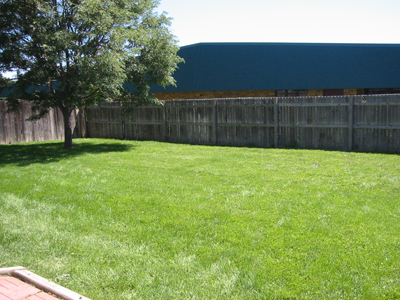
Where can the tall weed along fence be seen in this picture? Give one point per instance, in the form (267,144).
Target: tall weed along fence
(360,123)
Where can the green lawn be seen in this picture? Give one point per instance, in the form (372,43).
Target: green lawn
(146,220)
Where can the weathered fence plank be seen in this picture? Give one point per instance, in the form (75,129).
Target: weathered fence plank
(361,123)
(14,127)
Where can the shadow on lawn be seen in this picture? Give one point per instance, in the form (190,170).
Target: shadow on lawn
(43,153)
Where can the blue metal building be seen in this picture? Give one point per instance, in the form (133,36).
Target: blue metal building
(279,69)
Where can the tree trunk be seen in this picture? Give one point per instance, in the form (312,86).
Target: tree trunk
(67,115)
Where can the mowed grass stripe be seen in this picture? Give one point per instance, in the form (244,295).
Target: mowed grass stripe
(146,220)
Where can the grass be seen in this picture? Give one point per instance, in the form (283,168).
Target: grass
(147,220)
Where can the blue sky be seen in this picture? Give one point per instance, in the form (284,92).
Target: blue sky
(307,21)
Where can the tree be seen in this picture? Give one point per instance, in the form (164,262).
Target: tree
(74,53)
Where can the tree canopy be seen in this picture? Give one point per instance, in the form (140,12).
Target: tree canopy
(75,53)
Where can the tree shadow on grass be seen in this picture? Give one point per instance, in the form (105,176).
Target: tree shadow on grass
(50,152)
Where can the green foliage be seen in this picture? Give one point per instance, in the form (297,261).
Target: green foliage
(146,220)
(74,53)
(4,82)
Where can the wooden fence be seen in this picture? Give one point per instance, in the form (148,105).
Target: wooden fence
(352,123)
(14,128)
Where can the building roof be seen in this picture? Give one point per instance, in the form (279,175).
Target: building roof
(279,66)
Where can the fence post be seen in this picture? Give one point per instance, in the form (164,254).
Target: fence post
(52,125)
(276,123)
(122,121)
(85,124)
(215,122)
(351,122)
(76,127)
(165,121)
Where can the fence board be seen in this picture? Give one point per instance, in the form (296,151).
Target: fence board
(362,123)
(14,127)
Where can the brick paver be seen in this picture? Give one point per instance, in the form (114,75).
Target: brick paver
(41,296)
(12,288)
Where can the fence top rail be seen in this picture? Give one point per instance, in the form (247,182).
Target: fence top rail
(314,104)
(310,104)
(377,103)
(358,100)
(119,107)
(288,97)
